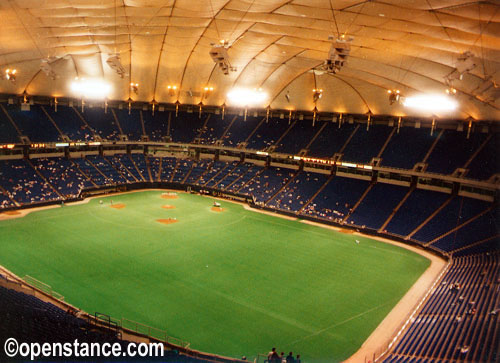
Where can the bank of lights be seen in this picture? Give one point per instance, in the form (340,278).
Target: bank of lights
(431,103)
(394,96)
(10,74)
(90,88)
(171,90)
(451,91)
(317,94)
(134,87)
(247,97)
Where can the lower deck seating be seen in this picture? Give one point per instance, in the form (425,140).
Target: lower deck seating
(63,175)
(336,199)
(417,207)
(294,196)
(217,167)
(128,163)
(382,198)
(216,179)
(182,170)
(452,224)
(456,212)
(104,166)
(233,176)
(28,319)
(459,321)
(5,201)
(479,229)
(267,183)
(23,183)
(244,178)
(89,170)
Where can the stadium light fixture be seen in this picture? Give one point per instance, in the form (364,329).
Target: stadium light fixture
(431,103)
(317,94)
(394,96)
(134,87)
(171,90)
(10,75)
(90,88)
(247,97)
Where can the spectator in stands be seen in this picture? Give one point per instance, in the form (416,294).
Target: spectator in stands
(290,358)
(297,360)
(273,357)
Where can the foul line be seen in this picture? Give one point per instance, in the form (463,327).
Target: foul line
(343,322)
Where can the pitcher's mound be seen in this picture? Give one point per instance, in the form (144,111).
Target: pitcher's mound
(12,213)
(167,206)
(218,209)
(169,196)
(118,206)
(167,221)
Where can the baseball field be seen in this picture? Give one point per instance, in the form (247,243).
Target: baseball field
(229,280)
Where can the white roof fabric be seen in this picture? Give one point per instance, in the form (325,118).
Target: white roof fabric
(274,44)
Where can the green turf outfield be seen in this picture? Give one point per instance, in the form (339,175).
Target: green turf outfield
(234,283)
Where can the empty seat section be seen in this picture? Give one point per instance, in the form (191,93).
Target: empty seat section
(407,147)
(214,129)
(365,145)
(130,123)
(336,199)
(34,123)
(459,210)
(378,205)
(70,123)
(457,321)
(298,137)
(186,126)
(140,162)
(330,140)
(8,133)
(241,130)
(102,122)
(486,163)
(156,125)
(453,150)
(417,207)
(482,228)
(267,134)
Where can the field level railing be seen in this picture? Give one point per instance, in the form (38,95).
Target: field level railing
(152,332)
(43,287)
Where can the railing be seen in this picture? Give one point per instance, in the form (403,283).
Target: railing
(43,287)
(152,332)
